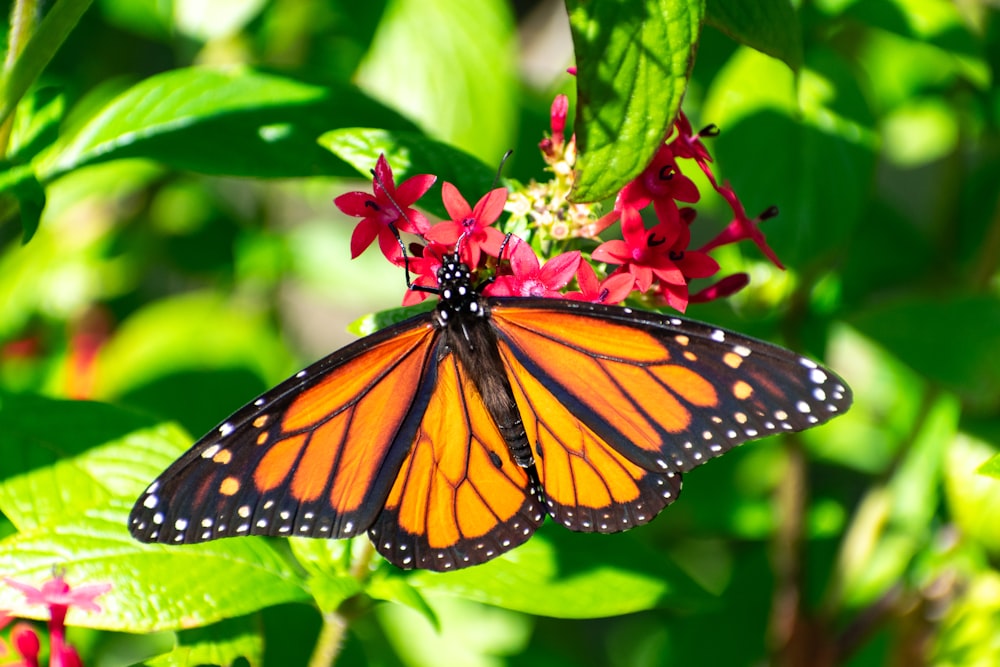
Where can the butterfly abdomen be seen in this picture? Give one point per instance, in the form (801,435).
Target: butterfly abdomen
(465,318)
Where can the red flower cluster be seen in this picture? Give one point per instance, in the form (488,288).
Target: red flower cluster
(58,596)
(652,258)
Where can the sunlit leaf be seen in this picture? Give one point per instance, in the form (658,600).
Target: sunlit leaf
(632,59)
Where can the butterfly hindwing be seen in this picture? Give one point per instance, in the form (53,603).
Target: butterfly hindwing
(316,456)
(619,403)
(459,498)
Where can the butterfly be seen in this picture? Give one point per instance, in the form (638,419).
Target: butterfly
(449,437)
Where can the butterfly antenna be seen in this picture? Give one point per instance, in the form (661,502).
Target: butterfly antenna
(503,161)
(395,230)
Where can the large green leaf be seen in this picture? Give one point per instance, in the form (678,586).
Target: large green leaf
(153,587)
(633,58)
(79,468)
(64,457)
(450,66)
(222,643)
(572,575)
(805,144)
(954,341)
(235,121)
(770,26)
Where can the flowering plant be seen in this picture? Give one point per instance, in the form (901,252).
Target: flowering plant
(654,261)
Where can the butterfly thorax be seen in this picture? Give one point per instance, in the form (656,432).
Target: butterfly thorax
(460,302)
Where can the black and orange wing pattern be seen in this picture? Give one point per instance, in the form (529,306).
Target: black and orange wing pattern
(450,436)
(316,456)
(387,436)
(459,498)
(618,403)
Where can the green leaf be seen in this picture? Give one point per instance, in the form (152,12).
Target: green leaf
(222,643)
(78,467)
(20,182)
(991,468)
(153,587)
(45,41)
(814,136)
(394,588)
(36,124)
(633,59)
(460,82)
(973,499)
(62,457)
(770,26)
(469,634)
(571,575)
(369,324)
(954,341)
(410,154)
(219,121)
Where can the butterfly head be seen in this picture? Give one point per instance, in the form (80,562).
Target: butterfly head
(458,296)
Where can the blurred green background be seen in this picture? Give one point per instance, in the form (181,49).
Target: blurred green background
(185,265)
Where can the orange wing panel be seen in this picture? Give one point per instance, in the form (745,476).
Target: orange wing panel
(589,484)
(459,498)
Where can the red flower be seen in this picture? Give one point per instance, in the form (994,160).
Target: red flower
(692,263)
(644,252)
(529,278)
(726,287)
(688,145)
(662,184)
(613,289)
(26,643)
(742,227)
(552,147)
(388,209)
(58,596)
(470,225)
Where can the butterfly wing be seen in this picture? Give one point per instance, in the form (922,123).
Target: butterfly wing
(618,403)
(459,498)
(315,456)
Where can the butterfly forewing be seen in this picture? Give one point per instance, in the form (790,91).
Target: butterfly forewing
(315,456)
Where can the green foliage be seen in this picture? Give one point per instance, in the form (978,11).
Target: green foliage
(169,249)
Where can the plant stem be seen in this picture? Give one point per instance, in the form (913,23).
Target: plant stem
(331,637)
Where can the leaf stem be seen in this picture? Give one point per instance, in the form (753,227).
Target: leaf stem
(331,637)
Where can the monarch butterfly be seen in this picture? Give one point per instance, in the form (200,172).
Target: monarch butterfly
(450,436)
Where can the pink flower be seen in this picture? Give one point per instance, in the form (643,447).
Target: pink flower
(644,252)
(661,183)
(470,225)
(26,643)
(58,596)
(613,289)
(387,209)
(723,288)
(689,145)
(553,147)
(529,278)
(742,227)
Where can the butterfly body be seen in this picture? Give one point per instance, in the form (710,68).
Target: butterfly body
(449,437)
